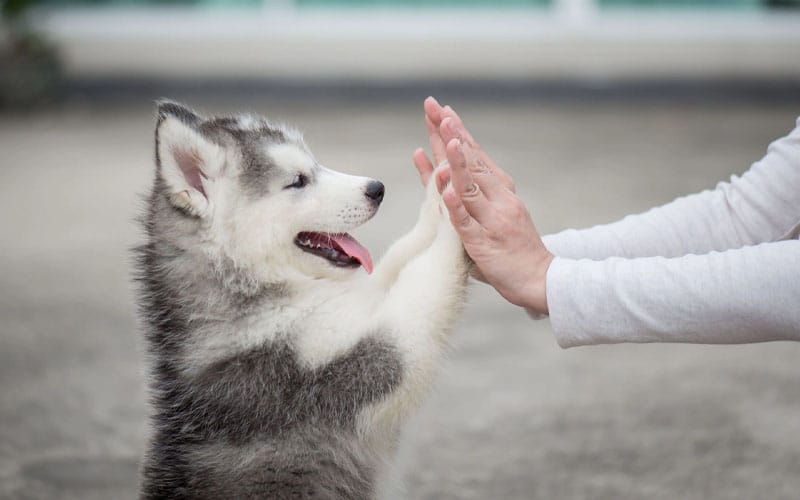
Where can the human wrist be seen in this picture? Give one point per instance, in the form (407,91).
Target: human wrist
(535,298)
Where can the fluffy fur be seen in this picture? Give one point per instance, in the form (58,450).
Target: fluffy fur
(275,372)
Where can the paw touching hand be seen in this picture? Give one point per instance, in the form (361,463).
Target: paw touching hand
(494,225)
(433,206)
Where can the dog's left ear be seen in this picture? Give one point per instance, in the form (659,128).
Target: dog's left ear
(188,161)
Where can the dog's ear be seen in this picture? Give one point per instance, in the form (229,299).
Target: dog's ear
(188,161)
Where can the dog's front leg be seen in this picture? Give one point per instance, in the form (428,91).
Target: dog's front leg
(412,243)
(419,312)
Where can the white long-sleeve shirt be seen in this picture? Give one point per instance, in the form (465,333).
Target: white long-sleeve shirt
(717,267)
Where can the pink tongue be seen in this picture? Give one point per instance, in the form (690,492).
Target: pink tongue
(354,249)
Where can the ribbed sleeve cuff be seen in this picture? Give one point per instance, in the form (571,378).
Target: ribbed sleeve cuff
(586,307)
(562,282)
(604,302)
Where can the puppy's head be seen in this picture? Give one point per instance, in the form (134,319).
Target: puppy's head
(251,192)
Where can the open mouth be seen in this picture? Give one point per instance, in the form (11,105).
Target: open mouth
(340,249)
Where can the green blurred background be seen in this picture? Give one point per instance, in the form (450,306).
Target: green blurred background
(722,4)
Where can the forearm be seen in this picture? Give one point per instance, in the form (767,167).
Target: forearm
(738,296)
(760,206)
(691,224)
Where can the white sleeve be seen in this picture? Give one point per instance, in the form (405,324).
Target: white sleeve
(760,206)
(751,294)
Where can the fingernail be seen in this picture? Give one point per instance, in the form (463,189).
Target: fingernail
(434,100)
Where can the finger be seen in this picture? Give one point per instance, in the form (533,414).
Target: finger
(465,186)
(435,139)
(449,112)
(451,128)
(467,228)
(456,128)
(487,179)
(448,131)
(433,110)
(493,186)
(423,164)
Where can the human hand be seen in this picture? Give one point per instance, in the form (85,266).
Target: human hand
(493,223)
(435,116)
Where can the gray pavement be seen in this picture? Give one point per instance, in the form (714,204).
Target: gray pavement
(512,416)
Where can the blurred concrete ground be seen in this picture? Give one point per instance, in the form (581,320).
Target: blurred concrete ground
(513,416)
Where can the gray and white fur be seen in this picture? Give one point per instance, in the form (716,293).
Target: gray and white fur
(277,369)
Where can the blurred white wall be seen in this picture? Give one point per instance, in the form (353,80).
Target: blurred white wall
(574,40)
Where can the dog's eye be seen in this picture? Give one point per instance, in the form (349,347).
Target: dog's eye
(300,180)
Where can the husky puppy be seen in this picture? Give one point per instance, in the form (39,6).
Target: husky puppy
(277,368)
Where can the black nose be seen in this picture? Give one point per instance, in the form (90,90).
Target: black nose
(375,191)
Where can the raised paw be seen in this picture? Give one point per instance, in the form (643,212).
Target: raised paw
(432,208)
